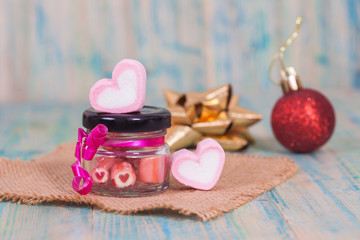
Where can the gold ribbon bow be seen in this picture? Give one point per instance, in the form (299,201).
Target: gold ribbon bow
(214,114)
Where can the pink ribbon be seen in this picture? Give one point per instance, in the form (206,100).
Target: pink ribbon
(150,142)
(87,151)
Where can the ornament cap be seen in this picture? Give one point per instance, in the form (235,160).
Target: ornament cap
(290,81)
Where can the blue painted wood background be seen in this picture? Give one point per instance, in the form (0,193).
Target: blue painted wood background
(55,50)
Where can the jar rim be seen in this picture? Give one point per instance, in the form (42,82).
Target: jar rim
(148,119)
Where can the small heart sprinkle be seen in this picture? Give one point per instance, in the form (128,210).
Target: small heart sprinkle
(124,177)
(99,175)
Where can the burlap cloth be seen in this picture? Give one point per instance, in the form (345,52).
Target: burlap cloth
(48,178)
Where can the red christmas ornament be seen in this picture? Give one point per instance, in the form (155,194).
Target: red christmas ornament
(303,119)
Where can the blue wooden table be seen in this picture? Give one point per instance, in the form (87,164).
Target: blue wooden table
(322,201)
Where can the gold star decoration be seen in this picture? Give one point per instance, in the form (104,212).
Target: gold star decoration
(213,114)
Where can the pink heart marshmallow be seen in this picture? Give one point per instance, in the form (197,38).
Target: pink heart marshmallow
(200,169)
(124,93)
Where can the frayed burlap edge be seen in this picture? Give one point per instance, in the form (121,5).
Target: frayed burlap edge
(203,215)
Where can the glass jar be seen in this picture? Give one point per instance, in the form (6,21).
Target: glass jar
(134,159)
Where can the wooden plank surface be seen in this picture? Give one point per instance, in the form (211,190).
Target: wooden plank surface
(321,201)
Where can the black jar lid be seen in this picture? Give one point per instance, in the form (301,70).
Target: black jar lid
(148,119)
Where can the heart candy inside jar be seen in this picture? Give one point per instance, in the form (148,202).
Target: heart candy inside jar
(125,172)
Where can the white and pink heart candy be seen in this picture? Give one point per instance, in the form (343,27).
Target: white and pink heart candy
(124,92)
(200,169)
(100,174)
(123,175)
